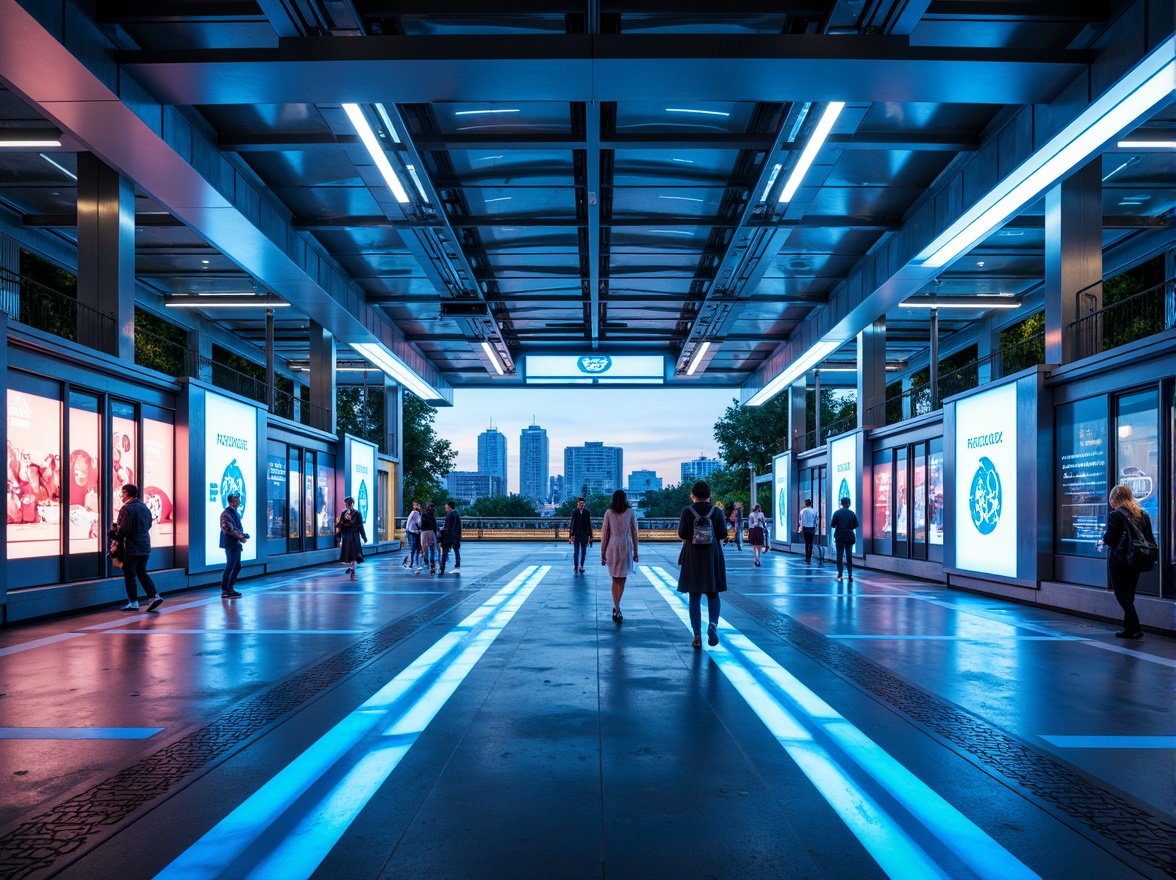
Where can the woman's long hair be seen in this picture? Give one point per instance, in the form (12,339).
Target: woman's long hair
(619,502)
(1123,496)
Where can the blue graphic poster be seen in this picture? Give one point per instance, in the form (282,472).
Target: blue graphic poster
(986,482)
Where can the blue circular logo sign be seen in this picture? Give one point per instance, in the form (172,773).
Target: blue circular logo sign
(361,499)
(781,506)
(843,491)
(984,499)
(232,480)
(594,364)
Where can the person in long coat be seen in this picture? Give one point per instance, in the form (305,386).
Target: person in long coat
(618,546)
(1126,518)
(704,572)
(352,536)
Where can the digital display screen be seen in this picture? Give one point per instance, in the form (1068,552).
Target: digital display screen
(158,489)
(843,477)
(781,529)
(34,482)
(230,465)
(361,482)
(84,475)
(1081,431)
(594,367)
(986,482)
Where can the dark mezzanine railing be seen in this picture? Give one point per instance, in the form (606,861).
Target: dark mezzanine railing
(43,308)
(1130,319)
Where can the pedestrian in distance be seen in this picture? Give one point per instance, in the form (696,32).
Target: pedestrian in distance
(702,528)
(412,530)
(618,546)
(351,535)
(842,524)
(737,524)
(757,531)
(232,538)
(429,538)
(808,528)
(451,537)
(580,534)
(1127,524)
(132,531)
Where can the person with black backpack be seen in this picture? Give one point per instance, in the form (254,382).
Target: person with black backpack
(1133,552)
(704,572)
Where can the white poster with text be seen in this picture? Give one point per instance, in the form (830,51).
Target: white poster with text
(230,465)
(986,482)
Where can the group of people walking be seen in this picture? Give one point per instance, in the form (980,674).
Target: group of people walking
(429,543)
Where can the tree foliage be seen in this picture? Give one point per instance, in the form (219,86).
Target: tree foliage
(427,459)
(752,434)
(160,345)
(503,507)
(666,502)
(596,504)
(359,410)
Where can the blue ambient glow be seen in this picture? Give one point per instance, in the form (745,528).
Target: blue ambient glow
(79,732)
(357,755)
(1112,742)
(793,714)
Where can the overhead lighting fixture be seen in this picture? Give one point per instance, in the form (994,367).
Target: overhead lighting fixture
(224,301)
(699,353)
(795,370)
(809,153)
(493,355)
(960,302)
(486,112)
(697,112)
(387,120)
(364,129)
(1146,145)
(1123,105)
(29,138)
(412,172)
(60,168)
(771,181)
(397,369)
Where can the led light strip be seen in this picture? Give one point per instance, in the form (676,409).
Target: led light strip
(357,754)
(397,369)
(796,716)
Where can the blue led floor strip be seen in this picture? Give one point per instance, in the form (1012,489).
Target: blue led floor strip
(354,758)
(800,721)
(1112,742)
(79,732)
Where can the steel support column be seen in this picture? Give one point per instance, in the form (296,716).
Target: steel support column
(322,378)
(1073,259)
(106,257)
(797,408)
(871,375)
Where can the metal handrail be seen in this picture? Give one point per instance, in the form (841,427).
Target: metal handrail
(31,303)
(1130,319)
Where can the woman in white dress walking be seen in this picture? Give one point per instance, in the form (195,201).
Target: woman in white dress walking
(618,546)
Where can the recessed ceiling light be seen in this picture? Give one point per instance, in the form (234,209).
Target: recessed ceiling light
(59,167)
(697,112)
(484,112)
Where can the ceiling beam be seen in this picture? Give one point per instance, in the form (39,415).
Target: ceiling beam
(604,67)
(818,221)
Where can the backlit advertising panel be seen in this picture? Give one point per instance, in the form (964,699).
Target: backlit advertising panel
(230,465)
(781,529)
(361,482)
(986,482)
(843,479)
(158,488)
(34,465)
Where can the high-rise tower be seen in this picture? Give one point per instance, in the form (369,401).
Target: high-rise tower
(492,455)
(533,463)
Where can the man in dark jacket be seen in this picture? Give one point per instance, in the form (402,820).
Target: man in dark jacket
(580,534)
(842,524)
(231,539)
(451,537)
(133,531)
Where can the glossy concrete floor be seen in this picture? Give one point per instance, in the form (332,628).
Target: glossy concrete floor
(499,724)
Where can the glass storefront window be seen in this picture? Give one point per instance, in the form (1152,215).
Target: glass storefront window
(1137,448)
(935,493)
(883,477)
(900,494)
(308,511)
(294,519)
(159,480)
(1081,431)
(84,474)
(34,455)
(275,498)
(324,503)
(919,499)
(124,448)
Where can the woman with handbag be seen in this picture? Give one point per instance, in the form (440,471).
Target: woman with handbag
(756,530)
(1126,524)
(352,536)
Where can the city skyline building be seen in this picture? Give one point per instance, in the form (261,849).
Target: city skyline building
(469,486)
(533,463)
(642,481)
(700,468)
(555,492)
(492,455)
(592,468)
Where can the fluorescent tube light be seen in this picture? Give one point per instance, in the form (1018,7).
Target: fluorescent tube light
(397,369)
(698,112)
(29,144)
(59,167)
(364,129)
(387,120)
(417,182)
(485,112)
(493,355)
(1134,96)
(809,153)
(795,370)
(224,301)
(771,182)
(698,355)
(960,302)
(1146,145)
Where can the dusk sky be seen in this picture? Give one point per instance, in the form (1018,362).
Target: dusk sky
(658,428)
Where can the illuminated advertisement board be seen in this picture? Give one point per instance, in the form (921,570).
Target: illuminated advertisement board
(781,529)
(361,482)
(230,465)
(595,369)
(158,490)
(34,458)
(986,482)
(843,478)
